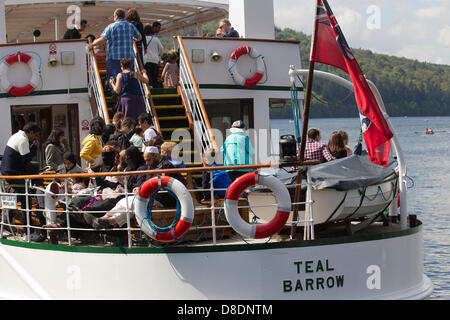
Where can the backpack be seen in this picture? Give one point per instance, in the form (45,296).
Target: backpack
(156,131)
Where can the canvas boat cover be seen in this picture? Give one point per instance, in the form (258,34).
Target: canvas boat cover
(350,173)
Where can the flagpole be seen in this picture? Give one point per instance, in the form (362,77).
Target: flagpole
(305,120)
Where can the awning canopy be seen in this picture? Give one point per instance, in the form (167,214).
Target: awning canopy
(25,16)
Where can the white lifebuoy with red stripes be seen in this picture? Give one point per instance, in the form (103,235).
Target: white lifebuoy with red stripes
(257,231)
(260,66)
(19,58)
(187,208)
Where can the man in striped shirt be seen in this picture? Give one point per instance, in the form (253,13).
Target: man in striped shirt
(119,36)
(315,150)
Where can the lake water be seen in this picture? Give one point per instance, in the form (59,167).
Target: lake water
(428,165)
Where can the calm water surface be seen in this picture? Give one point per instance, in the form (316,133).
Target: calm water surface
(428,165)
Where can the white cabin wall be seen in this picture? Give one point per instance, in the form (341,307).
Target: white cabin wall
(253,18)
(63,84)
(2,22)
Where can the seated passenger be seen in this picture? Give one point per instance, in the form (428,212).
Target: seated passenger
(156,141)
(70,164)
(137,139)
(336,145)
(154,160)
(315,150)
(221,179)
(166,150)
(345,138)
(93,143)
(54,150)
(20,150)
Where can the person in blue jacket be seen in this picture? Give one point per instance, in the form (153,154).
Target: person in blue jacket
(237,150)
(221,179)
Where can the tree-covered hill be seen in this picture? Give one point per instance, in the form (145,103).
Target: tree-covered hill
(408,87)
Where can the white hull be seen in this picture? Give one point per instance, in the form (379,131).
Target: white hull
(332,205)
(380,266)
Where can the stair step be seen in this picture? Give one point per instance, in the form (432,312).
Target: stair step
(173,129)
(193,164)
(170,107)
(170,95)
(172,118)
(157,91)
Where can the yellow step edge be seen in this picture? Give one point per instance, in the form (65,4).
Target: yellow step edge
(175,106)
(173,118)
(193,164)
(173,129)
(171,95)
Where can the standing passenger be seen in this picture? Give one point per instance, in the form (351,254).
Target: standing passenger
(237,150)
(131,102)
(119,36)
(132,17)
(154,52)
(227,30)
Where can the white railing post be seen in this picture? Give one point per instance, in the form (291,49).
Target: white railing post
(66,198)
(27,210)
(213,205)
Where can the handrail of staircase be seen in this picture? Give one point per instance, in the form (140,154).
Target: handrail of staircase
(149,105)
(96,88)
(191,92)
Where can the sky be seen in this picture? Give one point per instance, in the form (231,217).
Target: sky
(415,29)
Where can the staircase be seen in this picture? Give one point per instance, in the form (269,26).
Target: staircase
(172,115)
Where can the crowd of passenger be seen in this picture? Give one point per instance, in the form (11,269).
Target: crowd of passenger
(117,42)
(122,146)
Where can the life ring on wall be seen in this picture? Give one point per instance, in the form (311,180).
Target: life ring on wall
(143,213)
(260,66)
(17,58)
(255,231)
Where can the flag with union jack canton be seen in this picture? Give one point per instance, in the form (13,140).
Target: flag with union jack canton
(330,47)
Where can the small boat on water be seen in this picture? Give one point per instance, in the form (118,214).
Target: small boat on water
(429,131)
(339,234)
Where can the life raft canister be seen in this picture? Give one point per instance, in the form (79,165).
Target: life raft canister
(259,231)
(260,66)
(19,58)
(143,215)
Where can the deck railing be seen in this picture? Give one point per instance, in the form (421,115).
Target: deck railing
(35,205)
(95,86)
(192,97)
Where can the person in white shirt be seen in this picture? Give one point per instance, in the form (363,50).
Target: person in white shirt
(154,51)
(146,123)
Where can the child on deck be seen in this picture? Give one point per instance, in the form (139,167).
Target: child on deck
(137,139)
(171,72)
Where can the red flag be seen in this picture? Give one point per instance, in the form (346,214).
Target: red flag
(330,47)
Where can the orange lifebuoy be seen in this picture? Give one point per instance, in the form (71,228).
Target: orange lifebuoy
(19,58)
(184,222)
(252,230)
(260,66)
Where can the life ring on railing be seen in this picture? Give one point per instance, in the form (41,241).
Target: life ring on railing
(252,230)
(143,213)
(19,58)
(260,66)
